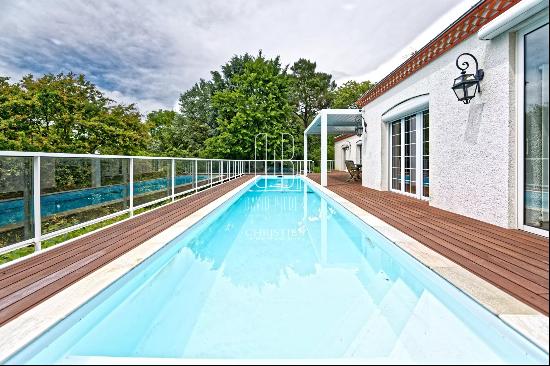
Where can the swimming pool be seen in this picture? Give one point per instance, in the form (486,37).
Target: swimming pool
(282,272)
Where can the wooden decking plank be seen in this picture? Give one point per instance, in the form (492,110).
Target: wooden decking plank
(29,293)
(481,227)
(470,245)
(512,260)
(514,273)
(543,253)
(21,279)
(483,248)
(458,225)
(102,236)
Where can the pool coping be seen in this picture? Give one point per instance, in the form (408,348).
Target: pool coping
(22,330)
(521,317)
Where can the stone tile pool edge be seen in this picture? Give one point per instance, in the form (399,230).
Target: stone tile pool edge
(21,331)
(521,317)
(24,329)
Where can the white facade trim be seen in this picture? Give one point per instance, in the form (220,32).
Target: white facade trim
(511,18)
(419,121)
(520,126)
(406,108)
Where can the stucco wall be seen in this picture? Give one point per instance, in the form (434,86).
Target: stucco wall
(350,154)
(472,147)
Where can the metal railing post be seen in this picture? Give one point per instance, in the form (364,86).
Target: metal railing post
(131,168)
(221,170)
(36,203)
(173,180)
(196,175)
(211,173)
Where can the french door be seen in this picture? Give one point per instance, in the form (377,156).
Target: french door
(410,155)
(533,128)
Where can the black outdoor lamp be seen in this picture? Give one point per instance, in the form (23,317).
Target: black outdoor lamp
(466,85)
(360,124)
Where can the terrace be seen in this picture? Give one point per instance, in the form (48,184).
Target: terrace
(163,197)
(513,260)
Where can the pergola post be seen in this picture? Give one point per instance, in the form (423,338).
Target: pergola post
(324,148)
(305,154)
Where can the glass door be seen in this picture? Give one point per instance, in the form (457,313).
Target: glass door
(535,128)
(409,155)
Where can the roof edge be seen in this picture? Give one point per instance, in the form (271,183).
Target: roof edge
(465,26)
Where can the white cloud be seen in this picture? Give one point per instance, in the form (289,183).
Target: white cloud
(148,52)
(417,43)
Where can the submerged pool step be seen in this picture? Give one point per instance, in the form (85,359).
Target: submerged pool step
(145,300)
(178,316)
(381,331)
(430,324)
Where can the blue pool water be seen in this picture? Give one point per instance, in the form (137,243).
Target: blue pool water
(11,211)
(281,272)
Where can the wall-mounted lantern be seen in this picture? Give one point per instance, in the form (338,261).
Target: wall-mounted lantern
(466,85)
(360,124)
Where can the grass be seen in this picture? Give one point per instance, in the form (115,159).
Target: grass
(22,252)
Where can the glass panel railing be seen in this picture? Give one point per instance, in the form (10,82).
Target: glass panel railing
(185,176)
(152,180)
(226,169)
(216,171)
(77,190)
(203,173)
(16,200)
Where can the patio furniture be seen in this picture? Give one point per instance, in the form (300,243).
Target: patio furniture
(353,170)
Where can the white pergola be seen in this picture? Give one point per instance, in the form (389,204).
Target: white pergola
(330,121)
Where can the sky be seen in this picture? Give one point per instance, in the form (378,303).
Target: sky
(150,51)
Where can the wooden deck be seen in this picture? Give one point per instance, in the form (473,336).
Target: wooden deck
(29,282)
(513,260)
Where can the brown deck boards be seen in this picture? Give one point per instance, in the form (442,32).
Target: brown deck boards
(31,281)
(513,260)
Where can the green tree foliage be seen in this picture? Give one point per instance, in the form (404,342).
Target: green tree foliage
(310,90)
(197,120)
(66,113)
(254,99)
(164,137)
(348,93)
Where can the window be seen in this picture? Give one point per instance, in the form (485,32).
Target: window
(534,193)
(396,155)
(359,154)
(409,155)
(426,154)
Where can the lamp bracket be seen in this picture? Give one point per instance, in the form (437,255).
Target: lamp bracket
(479,73)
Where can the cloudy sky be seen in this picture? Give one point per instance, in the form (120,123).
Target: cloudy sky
(148,51)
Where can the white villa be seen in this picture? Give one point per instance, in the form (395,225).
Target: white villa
(486,159)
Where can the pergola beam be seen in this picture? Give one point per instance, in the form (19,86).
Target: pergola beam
(324,136)
(329,121)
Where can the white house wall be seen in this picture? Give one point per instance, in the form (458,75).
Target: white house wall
(350,154)
(472,146)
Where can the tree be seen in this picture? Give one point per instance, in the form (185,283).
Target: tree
(310,90)
(254,100)
(197,120)
(163,136)
(66,113)
(348,93)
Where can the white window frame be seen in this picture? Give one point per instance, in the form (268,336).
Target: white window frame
(359,152)
(418,158)
(520,126)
